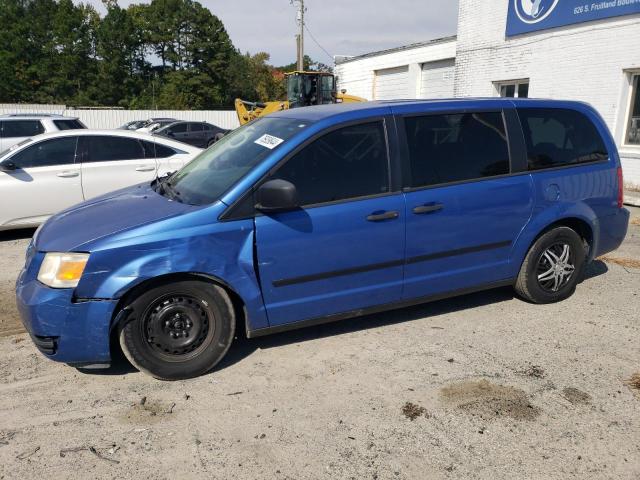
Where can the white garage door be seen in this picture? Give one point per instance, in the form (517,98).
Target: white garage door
(391,83)
(437,79)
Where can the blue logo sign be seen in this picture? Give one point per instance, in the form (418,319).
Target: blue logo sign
(526,16)
(534,11)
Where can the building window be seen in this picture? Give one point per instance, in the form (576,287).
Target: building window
(632,136)
(514,89)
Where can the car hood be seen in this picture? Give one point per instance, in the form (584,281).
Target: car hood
(108,214)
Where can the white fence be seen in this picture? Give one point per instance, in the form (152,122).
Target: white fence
(107,118)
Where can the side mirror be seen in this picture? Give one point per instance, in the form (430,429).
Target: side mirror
(276,196)
(7,166)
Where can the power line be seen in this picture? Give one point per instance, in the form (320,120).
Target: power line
(317,43)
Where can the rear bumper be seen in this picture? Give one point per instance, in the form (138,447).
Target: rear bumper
(64,330)
(613,230)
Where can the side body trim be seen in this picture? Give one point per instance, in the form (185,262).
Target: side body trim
(376,309)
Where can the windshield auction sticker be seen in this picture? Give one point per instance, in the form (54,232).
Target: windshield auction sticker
(269,141)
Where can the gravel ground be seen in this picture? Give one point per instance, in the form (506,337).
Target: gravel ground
(483,386)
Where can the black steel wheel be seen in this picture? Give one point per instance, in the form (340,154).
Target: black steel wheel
(553,266)
(177,326)
(179,330)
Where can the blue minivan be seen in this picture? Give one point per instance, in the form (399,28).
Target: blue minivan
(324,213)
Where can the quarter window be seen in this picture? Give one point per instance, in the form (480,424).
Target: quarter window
(107,149)
(60,151)
(633,129)
(557,137)
(347,163)
(21,128)
(456,147)
(156,150)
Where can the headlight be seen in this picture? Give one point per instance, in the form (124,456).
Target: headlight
(62,270)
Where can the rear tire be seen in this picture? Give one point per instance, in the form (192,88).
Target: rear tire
(179,330)
(553,267)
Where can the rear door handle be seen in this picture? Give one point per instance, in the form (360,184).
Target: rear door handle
(379,217)
(145,169)
(67,174)
(433,207)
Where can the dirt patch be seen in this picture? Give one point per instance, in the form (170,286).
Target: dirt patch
(633,382)
(489,401)
(575,396)
(413,411)
(534,371)
(624,262)
(147,412)
(635,221)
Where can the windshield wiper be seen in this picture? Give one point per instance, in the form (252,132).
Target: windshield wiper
(171,192)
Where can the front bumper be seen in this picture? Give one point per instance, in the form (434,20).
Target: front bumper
(64,330)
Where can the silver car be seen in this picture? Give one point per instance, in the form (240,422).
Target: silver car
(53,171)
(18,127)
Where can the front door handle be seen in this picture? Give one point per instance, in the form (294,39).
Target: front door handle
(433,207)
(67,174)
(379,217)
(145,169)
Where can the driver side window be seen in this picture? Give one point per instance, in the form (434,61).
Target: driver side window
(350,162)
(59,151)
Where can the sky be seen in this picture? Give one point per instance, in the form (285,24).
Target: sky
(347,27)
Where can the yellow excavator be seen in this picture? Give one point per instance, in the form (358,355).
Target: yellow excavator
(303,89)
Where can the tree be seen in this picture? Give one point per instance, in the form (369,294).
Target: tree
(56,51)
(120,54)
(309,65)
(72,47)
(251,78)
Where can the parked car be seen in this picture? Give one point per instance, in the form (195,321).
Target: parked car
(199,134)
(324,213)
(18,127)
(134,125)
(154,124)
(50,172)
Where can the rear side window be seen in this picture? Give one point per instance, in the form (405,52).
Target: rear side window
(557,137)
(195,127)
(179,128)
(456,147)
(21,128)
(156,150)
(107,149)
(72,124)
(59,151)
(347,163)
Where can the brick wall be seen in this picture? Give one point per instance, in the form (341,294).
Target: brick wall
(588,62)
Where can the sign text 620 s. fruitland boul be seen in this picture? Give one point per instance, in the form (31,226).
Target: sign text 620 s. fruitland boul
(532,15)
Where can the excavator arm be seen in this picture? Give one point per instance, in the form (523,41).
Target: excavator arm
(248,111)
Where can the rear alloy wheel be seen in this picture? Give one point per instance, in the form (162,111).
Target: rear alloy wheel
(553,266)
(178,331)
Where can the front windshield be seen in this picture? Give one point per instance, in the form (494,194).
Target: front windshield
(4,153)
(217,169)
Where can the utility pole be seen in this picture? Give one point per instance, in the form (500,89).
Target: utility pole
(300,36)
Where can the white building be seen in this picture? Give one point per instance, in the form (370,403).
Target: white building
(567,49)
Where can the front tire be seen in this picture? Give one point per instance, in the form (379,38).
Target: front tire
(553,267)
(179,330)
